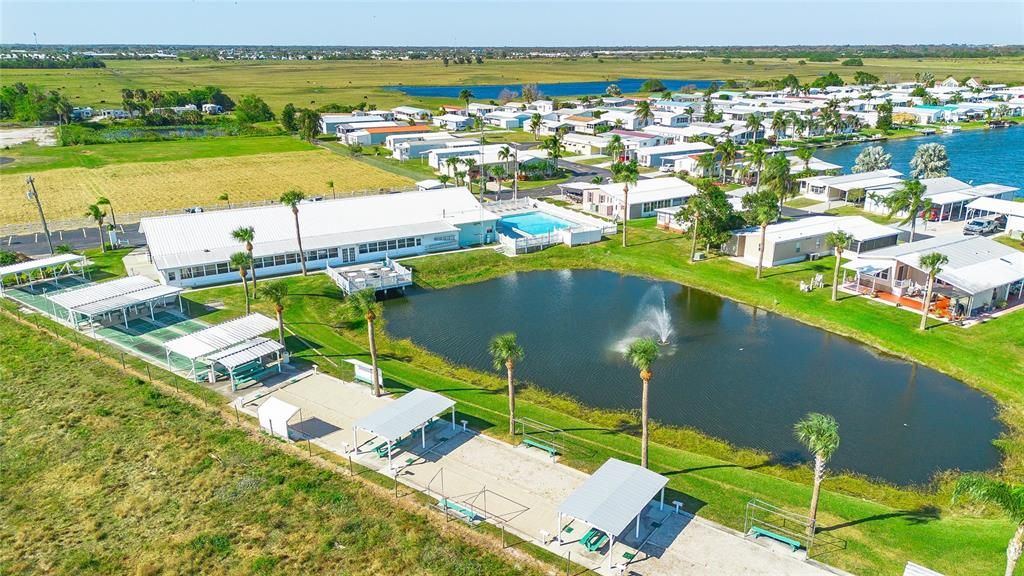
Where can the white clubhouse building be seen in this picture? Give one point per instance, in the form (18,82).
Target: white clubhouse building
(191,250)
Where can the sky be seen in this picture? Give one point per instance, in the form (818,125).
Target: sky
(513,22)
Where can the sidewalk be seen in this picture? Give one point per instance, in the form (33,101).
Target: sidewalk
(521,489)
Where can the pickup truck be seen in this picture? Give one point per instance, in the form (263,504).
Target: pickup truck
(980,226)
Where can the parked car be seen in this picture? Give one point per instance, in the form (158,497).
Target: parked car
(980,226)
(194,210)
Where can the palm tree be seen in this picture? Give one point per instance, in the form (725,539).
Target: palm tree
(246,235)
(535,124)
(453,164)
(511,156)
(292,199)
(932,264)
(97,215)
(330,186)
(466,95)
(553,146)
(779,124)
(837,241)
(642,354)
(275,291)
(444,179)
(871,159)
(470,163)
(615,148)
(805,154)
(819,433)
(753,124)
(241,261)
(225,198)
(909,198)
(929,161)
(644,113)
(707,162)
(778,178)
(762,208)
(505,352)
(499,174)
(104,201)
(756,157)
(1007,497)
(460,176)
(364,302)
(726,155)
(627,173)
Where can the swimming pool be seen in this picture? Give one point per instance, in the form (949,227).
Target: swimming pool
(532,223)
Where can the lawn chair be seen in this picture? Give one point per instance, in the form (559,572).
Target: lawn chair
(804,287)
(818,282)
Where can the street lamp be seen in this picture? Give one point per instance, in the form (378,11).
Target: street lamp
(33,195)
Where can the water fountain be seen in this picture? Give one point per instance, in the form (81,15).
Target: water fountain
(652,320)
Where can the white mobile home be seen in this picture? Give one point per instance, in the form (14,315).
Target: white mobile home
(194,249)
(804,238)
(645,197)
(656,156)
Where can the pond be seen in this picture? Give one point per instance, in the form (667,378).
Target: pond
(548,90)
(982,156)
(731,371)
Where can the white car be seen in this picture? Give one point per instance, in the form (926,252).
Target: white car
(980,226)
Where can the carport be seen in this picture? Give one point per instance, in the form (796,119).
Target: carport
(49,269)
(402,417)
(219,338)
(122,295)
(613,497)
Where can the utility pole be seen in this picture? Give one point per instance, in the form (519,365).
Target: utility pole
(33,195)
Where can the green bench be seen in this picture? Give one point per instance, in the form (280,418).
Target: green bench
(541,446)
(382,449)
(594,539)
(466,513)
(758,532)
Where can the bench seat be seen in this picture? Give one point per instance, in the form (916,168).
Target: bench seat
(792,543)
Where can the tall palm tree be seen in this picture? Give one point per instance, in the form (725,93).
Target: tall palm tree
(330,186)
(444,179)
(470,163)
(756,158)
(615,148)
(726,151)
(644,113)
(707,162)
(838,241)
(104,201)
(460,176)
(535,124)
(779,124)
(506,352)
(466,95)
(453,164)
(1007,497)
(763,209)
(805,153)
(778,178)
(276,292)
(819,433)
(499,174)
(246,235)
(292,199)
(97,215)
(642,353)
(241,262)
(627,173)
(932,264)
(753,123)
(553,146)
(909,198)
(225,198)
(364,303)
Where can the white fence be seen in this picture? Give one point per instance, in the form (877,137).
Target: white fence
(377,276)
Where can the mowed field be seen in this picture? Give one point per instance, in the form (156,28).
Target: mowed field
(315,83)
(187,173)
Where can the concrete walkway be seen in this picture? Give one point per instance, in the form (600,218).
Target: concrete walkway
(520,488)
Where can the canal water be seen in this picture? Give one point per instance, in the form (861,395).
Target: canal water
(554,89)
(988,156)
(734,372)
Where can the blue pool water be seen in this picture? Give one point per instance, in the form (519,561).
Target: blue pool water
(979,156)
(557,89)
(532,223)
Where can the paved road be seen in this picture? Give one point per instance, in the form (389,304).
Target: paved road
(580,173)
(35,244)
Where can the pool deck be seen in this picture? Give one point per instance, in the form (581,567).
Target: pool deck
(520,488)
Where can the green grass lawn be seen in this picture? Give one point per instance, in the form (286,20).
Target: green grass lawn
(1013,242)
(32,158)
(104,474)
(801,202)
(850,210)
(883,526)
(500,136)
(414,169)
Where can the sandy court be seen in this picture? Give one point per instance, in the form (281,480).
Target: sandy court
(43,136)
(521,488)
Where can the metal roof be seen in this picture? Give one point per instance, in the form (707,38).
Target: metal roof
(1007,207)
(274,415)
(30,265)
(220,337)
(245,352)
(405,414)
(613,496)
(190,239)
(126,300)
(93,293)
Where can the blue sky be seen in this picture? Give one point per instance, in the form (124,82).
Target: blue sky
(514,22)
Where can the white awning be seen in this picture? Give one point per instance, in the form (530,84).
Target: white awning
(613,496)
(405,414)
(222,336)
(949,197)
(245,352)
(998,206)
(127,300)
(79,297)
(274,415)
(987,275)
(867,266)
(30,265)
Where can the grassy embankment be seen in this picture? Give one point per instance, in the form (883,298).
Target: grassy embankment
(106,474)
(315,83)
(883,525)
(139,177)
